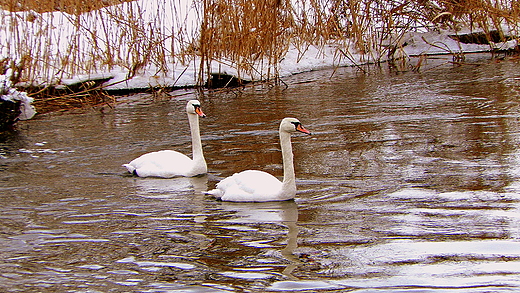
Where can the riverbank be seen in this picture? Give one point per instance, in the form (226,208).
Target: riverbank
(100,92)
(70,53)
(406,52)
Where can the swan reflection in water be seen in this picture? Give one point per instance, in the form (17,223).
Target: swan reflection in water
(160,188)
(282,212)
(229,215)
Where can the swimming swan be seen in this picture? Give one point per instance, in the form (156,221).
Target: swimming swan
(168,164)
(259,186)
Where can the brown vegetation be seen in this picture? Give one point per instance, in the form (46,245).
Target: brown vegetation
(250,35)
(68,6)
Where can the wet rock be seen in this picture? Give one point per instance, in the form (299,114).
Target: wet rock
(220,80)
(482,38)
(9,111)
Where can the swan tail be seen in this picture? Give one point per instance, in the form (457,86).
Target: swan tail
(217,193)
(130,168)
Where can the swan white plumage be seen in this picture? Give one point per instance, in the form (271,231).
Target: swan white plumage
(259,186)
(167,163)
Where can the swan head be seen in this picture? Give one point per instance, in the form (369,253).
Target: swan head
(292,125)
(193,107)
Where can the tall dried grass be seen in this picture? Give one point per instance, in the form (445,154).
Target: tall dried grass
(245,34)
(51,46)
(250,35)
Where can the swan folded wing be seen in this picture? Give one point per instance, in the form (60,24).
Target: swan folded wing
(165,164)
(248,186)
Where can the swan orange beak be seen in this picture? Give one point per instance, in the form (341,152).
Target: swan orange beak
(300,128)
(199,112)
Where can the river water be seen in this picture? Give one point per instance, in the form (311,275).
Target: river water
(409,183)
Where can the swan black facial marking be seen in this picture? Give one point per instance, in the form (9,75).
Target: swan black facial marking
(198,110)
(299,127)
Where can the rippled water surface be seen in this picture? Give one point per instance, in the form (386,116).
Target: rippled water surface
(409,183)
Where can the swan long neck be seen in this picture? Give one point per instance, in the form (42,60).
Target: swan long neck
(196,144)
(289,180)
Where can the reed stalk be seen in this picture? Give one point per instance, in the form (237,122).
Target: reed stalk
(58,39)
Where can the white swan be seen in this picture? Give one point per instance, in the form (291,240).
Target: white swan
(168,164)
(259,186)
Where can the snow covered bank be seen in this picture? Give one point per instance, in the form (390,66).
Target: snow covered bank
(151,43)
(313,58)
(146,44)
(294,62)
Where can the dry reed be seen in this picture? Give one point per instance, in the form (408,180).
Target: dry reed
(249,35)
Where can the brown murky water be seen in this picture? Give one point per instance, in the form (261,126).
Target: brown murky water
(410,183)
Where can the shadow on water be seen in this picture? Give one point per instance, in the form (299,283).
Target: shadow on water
(409,183)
